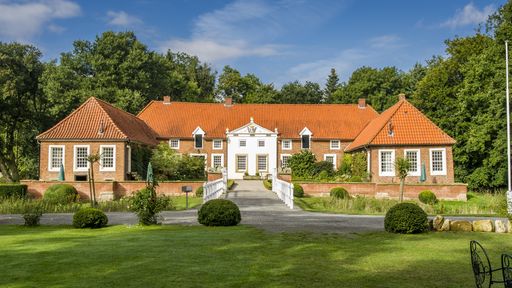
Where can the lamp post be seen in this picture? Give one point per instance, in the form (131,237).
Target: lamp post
(509,190)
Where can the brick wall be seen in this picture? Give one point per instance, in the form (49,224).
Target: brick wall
(187,147)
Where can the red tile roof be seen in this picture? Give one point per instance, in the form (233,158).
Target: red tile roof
(409,127)
(326,121)
(86,120)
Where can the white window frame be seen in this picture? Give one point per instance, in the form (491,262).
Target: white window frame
(108,169)
(444,171)
(50,156)
(335,141)
(240,143)
(177,147)
(282,156)
(237,156)
(334,164)
(213,144)
(81,169)
(264,143)
(392,173)
(287,141)
(418,161)
(221,160)
(258,162)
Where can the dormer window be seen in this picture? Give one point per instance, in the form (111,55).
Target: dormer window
(305,137)
(198,135)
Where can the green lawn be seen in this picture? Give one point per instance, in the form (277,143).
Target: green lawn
(178,256)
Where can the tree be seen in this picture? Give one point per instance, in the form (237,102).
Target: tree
(21,103)
(402,166)
(331,86)
(296,93)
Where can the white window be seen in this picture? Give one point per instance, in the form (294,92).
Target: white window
(241,163)
(331,158)
(335,144)
(198,141)
(217,160)
(174,143)
(284,160)
(438,161)
(261,143)
(55,157)
(413,156)
(80,159)
(262,163)
(107,158)
(286,144)
(243,143)
(386,162)
(217,144)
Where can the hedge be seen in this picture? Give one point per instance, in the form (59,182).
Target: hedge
(13,190)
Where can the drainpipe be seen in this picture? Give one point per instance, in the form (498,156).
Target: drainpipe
(368,162)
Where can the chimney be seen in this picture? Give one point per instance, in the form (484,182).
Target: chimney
(401,96)
(167,100)
(361,103)
(228,102)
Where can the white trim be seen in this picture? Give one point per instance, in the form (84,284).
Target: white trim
(392,173)
(333,148)
(221,160)
(198,130)
(258,163)
(213,144)
(418,161)
(443,172)
(281,163)
(286,140)
(174,139)
(305,131)
(81,169)
(334,164)
(50,156)
(109,169)
(129,158)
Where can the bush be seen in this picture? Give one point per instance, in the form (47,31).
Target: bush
(302,164)
(324,167)
(298,191)
(60,194)
(32,213)
(339,193)
(406,218)
(13,190)
(219,212)
(231,182)
(427,197)
(199,191)
(355,179)
(147,205)
(89,218)
(268,184)
(169,165)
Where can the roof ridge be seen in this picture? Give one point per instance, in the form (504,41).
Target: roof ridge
(398,105)
(257,104)
(110,117)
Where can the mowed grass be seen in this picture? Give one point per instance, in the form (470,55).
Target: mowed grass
(179,256)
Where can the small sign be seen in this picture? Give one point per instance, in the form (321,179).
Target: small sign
(186,189)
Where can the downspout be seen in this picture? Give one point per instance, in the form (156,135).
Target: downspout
(368,162)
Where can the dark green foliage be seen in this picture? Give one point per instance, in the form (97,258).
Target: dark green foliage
(268,184)
(298,191)
(141,155)
(169,165)
(323,166)
(147,205)
(331,85)
(359,165)
(230,183)
(60,194)
(302,164)
(199,191)
(89,218)
(244,89)
(32,213)
(339,193)
(427,197)
(296,92)
(355,179)
(13,190)
(219,212)
(406,218)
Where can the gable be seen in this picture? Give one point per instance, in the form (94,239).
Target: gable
(251,128)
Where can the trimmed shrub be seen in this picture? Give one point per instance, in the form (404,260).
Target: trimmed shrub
(199,191)
(406,218)
(147,205)
(268,184)
(298,191)
(60,194)
(427,197)
(355,179)
(89,218)
(339,193)
(324,167)
(32,213)
(219,212)
(13,190)
(231,182)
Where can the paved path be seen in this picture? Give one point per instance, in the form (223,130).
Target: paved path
(259,207)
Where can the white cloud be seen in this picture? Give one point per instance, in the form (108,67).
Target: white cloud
(469,15)
(122,19)
(21,21)
(385,42)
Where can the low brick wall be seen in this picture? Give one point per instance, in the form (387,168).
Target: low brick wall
(214,176)
(115,188)
(391,191)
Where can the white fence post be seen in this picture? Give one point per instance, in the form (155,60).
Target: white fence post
(213,189)
(283,189)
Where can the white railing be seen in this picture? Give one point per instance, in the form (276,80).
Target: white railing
(213,189)
(283,189)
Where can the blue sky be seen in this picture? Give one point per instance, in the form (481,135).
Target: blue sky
(279,41)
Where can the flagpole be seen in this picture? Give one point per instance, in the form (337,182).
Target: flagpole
(509,191)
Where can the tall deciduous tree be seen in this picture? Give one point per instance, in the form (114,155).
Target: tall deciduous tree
(295,93)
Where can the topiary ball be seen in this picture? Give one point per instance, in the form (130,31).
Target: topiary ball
(427,197)
(60,194)
(199,191)
(219,212)
(298,191)
(406,218)
(339,193)
(89,218)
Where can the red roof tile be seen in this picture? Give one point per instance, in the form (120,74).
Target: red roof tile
(409,127)
(86,120)
(326,121)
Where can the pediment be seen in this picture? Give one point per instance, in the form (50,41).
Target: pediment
(252,128)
